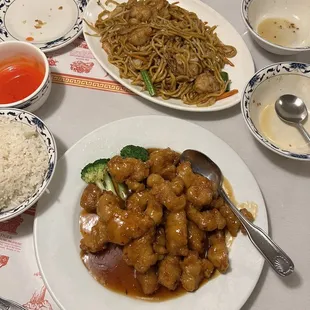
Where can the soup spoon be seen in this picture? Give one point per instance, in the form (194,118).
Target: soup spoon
(293,110)
(277,258)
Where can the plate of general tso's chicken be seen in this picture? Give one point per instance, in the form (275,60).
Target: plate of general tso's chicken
(126,223)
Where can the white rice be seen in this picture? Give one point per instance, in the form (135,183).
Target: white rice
(23,162)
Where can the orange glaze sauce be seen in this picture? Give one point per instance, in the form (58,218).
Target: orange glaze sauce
(110,270)
(19,78)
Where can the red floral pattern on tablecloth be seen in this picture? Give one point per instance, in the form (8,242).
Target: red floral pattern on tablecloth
(83,44)
(11,226)
(75,65)
(3,260)
(81,66)
(38,301)
(52,62)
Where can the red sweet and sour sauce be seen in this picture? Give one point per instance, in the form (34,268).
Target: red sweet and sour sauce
(19,78)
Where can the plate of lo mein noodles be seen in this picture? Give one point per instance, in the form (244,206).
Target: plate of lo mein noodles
(183,55)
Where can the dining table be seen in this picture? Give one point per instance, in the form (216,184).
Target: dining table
(84,97)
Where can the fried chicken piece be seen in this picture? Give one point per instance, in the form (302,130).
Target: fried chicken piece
(159,245)
(217,202)
(139,252)
(154,210)
(208,268)
(232,222)
(185,172)
(107,204)
(163,162)
(146,202)
(177,185)
(164,194)
(122,225)
(169,272)
(196,238)
(94,238)
(148,281)
(129,170)
(200,193)
(193,273)
(135,186)
(138,201)
(90,198)
(194,270)
(218,252)
(249,216)
(206,220)
(176,233)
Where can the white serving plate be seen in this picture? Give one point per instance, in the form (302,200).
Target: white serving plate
(240,74)
(62,22)
(56,227)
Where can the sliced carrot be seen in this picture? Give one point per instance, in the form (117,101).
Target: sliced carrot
(137,56)
(227,94)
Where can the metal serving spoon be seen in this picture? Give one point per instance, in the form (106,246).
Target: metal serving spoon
(293,110)
(278,260)
(10,305)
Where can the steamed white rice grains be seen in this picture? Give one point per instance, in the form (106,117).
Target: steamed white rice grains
(23,162)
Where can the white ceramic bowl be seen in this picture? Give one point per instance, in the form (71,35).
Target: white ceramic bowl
(35,100)
(49,141)
(296,11)
(258,107)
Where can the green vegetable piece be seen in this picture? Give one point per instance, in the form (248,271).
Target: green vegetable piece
(148,83)
(225,78)
(122,190)
(97,173)
(132,151)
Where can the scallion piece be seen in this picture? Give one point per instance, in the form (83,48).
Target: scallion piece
(148,83)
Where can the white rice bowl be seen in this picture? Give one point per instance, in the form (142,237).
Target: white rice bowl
(27,161)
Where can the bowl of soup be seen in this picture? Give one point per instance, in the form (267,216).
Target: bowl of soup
(25,80)
(279,26)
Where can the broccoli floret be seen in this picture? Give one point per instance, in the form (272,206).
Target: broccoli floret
(132,151)
(97,173)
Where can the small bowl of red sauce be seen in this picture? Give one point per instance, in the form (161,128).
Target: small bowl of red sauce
(25,80)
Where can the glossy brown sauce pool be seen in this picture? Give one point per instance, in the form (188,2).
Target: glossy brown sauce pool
(109,269)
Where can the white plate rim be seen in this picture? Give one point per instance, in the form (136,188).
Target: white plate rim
(262,209)
(50,46)
(166,103)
